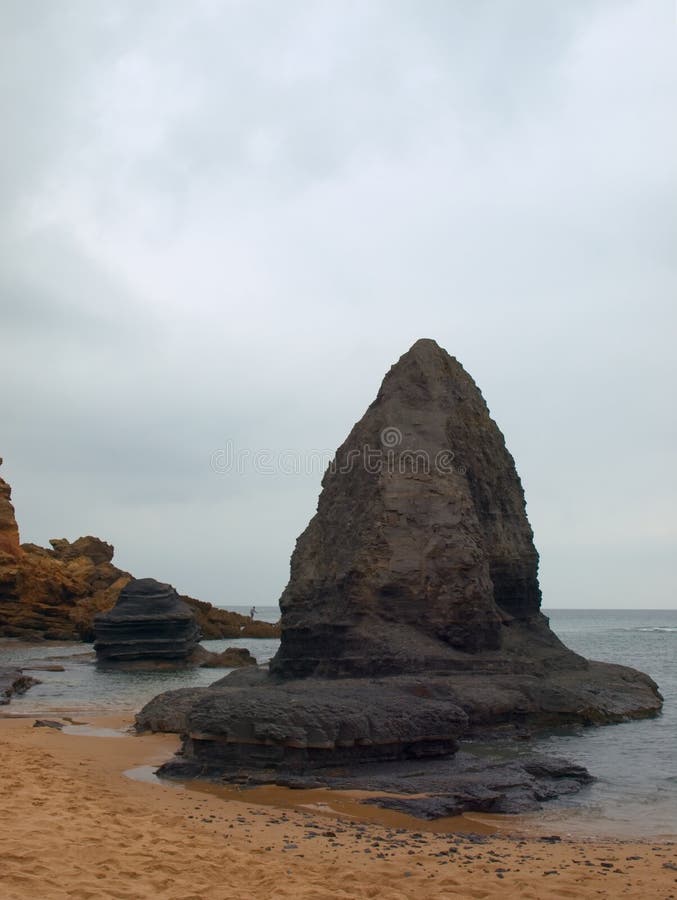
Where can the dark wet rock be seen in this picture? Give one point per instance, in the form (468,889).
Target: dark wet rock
(411,619)
(431,789)
(602,693)
(248,720)
(168,712)
(557,770)
(14,681)
(287,726)
(199,657)
(230,658)
(148,622)
(493,707)
(244,677)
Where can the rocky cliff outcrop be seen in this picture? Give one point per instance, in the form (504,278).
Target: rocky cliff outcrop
(148,621)
(9,530)
(54,593)
(412,615)
(218,623)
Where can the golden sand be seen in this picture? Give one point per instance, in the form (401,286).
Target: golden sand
(73,825)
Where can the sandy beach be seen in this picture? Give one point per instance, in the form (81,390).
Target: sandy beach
(75,826)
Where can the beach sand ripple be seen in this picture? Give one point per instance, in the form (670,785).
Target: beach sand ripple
(73,826)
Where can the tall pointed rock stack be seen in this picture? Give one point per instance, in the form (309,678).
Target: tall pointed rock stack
(420,552)
(412,614)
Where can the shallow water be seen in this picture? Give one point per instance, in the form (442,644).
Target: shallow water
(82,686)
(635,762)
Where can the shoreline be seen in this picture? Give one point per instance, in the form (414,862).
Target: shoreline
(74,825)
(569,823)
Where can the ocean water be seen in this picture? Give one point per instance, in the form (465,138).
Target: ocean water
(635,762)
(83,688)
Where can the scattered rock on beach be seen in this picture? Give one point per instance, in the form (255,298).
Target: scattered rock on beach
(230,658)
(14,681)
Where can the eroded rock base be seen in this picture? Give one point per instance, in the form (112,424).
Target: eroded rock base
(442,787)
(369,733)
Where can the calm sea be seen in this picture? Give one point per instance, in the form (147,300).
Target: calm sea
(635,762)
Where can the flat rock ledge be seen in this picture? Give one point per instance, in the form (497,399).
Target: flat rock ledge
(442,787)
(249,728)
(293,728)
(200,657)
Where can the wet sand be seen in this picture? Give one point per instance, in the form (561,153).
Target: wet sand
(73,825)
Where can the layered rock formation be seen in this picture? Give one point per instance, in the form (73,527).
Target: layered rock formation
(412,615)
(55,593)
(429,782)
(287,726)
(149,621)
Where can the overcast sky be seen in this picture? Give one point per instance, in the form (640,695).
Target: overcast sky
(221,223)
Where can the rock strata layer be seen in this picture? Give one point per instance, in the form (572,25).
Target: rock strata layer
(412,614)
(290,727)
(248,721)
(149,621)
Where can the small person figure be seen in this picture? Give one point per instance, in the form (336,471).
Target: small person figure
(252,612)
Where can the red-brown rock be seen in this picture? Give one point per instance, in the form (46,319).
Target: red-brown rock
(9,530)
